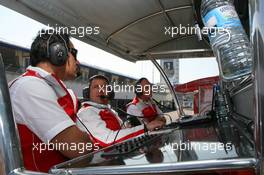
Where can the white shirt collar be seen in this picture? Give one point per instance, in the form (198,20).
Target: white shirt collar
(97,105)
(39,70)
(51,80)
(150,101)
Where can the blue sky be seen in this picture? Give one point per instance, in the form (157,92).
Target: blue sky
(21,30)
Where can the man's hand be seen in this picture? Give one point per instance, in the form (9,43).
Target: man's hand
(162,119)
(155,124)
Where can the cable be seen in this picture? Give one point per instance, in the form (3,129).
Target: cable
(121,110)
(120,126)
(143,116)
(91,133)
(84,126)
(161,105)
(145,127)
(119,131)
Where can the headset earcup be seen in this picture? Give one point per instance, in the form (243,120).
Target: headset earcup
(86,92)
(111,93)
(58,54)
(137,86)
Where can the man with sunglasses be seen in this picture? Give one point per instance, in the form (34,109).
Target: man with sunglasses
(44,109)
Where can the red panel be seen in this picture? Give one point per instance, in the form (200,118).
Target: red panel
(194,85)
(196,103)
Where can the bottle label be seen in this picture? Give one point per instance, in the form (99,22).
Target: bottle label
(224,16)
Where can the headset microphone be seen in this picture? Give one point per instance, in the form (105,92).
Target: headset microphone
(104,97)
(110,95)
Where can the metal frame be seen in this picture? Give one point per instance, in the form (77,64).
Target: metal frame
(10,152)
(143,19)
(191,166)
(9,143)
(256,12)
(176,101)
(165,13)
(179,51)
(20,171)
(175,39)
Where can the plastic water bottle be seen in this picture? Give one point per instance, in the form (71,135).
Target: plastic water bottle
(229,41)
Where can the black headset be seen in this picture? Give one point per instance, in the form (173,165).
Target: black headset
(137,85)
(57,52)
(86,90)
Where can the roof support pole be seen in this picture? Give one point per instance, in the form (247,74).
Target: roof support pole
(10,154)
(176,101)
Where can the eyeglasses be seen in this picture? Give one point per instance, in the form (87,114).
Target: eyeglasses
(74,52)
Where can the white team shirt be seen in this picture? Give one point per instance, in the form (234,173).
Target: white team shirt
(136,110)
(35,105)
(90,117)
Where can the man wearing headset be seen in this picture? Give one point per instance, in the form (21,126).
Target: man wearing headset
(143,106)
(103,123)
(43,108)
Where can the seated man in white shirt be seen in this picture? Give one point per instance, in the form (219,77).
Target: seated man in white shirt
(143,106)
(103,123)
(44,109)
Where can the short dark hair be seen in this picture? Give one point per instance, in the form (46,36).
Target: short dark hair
(38,52)
(140,80)
(137,84)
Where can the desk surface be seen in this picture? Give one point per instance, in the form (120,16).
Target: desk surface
(214,145)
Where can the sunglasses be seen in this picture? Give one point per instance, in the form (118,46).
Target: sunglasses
(74,52)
